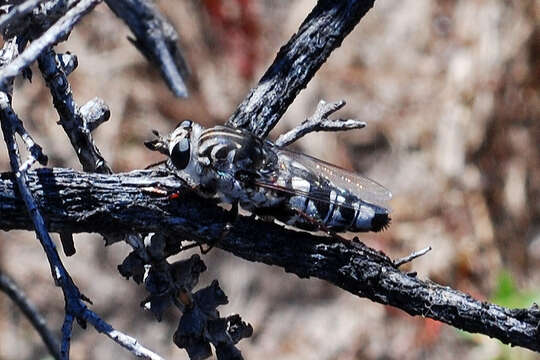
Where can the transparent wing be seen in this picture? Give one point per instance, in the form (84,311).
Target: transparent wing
(294,171)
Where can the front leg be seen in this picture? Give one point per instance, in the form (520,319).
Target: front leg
(232,215)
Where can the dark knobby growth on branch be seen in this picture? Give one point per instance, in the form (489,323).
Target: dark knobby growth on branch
(161,220)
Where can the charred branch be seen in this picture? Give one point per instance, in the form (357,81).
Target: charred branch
(297,62)
(75,308)
(15,12)
(71,118)
(138,201)
(156,39)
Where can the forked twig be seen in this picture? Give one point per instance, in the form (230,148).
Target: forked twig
(71,118)
(75,307)
(296,63)
(53,35)
(319,121)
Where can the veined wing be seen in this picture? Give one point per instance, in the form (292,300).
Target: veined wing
(302,174)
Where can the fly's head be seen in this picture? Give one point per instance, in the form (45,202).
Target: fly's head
(180,145)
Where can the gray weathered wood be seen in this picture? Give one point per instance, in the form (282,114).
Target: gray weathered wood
(297,62)
(81,202)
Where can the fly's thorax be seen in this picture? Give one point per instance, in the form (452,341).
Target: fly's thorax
(232,150)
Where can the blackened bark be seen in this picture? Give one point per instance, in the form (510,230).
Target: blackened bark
(297,62)
(138,201)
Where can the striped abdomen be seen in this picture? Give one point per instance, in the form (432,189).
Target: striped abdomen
(339,211)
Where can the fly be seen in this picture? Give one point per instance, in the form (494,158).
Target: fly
(271,181)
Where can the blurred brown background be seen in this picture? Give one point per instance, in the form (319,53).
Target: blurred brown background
(450,91)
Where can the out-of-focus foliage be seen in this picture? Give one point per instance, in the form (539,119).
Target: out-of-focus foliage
(508,294)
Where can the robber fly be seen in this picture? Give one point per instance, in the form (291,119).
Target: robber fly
(271,181)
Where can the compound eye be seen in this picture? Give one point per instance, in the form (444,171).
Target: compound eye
(180,154)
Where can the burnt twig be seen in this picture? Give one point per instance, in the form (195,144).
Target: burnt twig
(17,295)
(319,121)
(73,298)
(156,39)
(296,63)
(53,35)
(411,257)
(36,152)
(71,117)
(67,328)
(72,295)
(15,12)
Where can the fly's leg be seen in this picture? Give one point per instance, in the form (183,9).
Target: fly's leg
(194,187)
(159,163)
(232,215)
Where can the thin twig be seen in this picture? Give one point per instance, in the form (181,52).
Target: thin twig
(70,116)
(58,271)
(411,257)
(18,11)
(35,150)
(17,295)
(319,121)
(72,295)
(119,337)
(78,125)
(156,39)
(53,35)
(67,328)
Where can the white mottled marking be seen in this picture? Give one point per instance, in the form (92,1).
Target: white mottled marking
(364,217)
(300,184)
(333,196)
